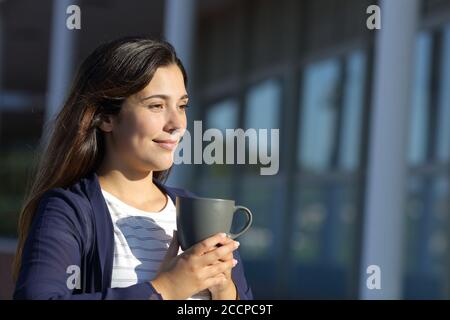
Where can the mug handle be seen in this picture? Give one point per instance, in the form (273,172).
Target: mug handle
(247,225)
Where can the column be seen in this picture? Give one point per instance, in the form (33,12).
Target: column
(384,220)
(60,72)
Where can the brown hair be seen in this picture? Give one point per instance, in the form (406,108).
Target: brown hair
(110,74)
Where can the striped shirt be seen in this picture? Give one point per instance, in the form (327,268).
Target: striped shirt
(141,240)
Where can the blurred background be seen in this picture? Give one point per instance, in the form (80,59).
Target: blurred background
(364,119)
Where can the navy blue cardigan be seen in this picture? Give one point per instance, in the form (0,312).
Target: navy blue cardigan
(73,227)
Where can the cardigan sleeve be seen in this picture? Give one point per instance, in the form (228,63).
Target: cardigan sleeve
(237,274)
(53,250)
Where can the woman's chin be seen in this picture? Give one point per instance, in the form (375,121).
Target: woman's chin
(163,165)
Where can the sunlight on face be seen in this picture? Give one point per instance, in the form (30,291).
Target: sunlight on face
(152,121)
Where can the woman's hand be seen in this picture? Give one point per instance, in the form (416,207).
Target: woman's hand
(225,290)
(196,269)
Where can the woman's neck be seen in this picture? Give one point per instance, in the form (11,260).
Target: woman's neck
(135,189)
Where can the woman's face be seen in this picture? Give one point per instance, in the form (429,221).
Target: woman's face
(146,132)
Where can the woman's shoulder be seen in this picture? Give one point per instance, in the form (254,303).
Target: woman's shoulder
(70,203)
(181,192)
(72,195)
(65,208)
(175,191)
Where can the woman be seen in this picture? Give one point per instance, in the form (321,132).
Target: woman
(98,220)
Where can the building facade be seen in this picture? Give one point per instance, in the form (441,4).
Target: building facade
(364,122)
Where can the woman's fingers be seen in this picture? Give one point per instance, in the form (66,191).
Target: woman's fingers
(206,245)
(227,257)
(222,242)
(225,241)
(219,268)
(215,281)
(219,253)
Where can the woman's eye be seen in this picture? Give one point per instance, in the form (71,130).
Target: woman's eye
(155,106)
(184,107)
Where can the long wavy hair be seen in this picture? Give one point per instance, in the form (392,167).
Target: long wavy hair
(75,145)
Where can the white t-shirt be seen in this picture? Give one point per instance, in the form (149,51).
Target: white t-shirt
(141,240)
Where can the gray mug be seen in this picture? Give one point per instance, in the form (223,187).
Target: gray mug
(201,218)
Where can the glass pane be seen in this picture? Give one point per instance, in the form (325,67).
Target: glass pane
(443,133)
(263,112)
(263,105)
(215,186)
(264,208)
(420,100)
(323,242)
(216,179)
(15,165)
(427,238)
(309,218)
(318,118)
(263,195)
(352,111)
(223,115)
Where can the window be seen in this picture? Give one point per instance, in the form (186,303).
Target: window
(325,219)
(419,105)
(217,179)
(427,211)
(321,84)
(263,194)
(262,109)
(21,120)
(443,136)
(426,241)
(305,247)
(349,151)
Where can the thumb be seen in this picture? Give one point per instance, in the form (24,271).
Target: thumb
(174,246)
(171,253)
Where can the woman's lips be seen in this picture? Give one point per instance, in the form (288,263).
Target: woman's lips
(167,144)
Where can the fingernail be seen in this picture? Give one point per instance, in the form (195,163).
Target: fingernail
(236,244)
(223,235)
(235,262)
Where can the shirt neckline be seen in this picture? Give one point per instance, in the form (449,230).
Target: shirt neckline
(112,198)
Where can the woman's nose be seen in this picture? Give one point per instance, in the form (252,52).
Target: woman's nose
(176,119)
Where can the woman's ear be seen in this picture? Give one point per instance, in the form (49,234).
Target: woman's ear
(106,124)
